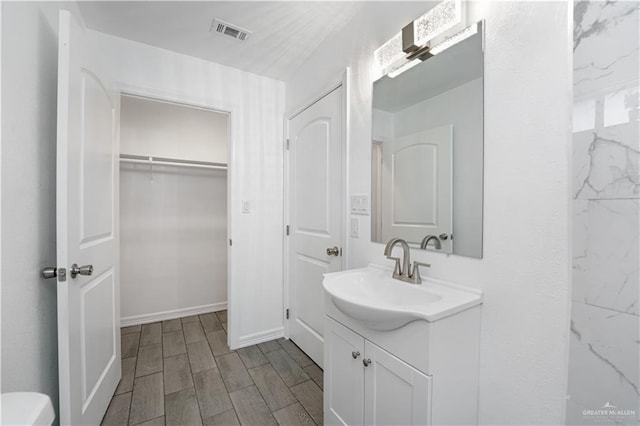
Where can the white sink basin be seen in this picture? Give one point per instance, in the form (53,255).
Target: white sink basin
(370,296)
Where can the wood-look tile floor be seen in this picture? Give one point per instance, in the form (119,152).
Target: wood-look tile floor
(181,372)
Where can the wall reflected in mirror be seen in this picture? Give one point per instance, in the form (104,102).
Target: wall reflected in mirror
(427,152)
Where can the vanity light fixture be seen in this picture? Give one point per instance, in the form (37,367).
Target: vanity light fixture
(390,54)
(436,21)
(404,49)
(418,35)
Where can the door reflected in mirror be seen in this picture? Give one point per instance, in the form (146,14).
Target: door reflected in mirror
(427,152)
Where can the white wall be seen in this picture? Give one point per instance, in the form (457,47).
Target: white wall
(524,273)
(173,242)
(29,81)
(173,220)
(256,104)
(172,131)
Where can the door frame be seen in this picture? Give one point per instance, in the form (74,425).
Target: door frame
(160,95)
(338,81)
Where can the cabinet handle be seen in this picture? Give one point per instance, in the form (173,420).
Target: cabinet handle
(355,354)
(366,362)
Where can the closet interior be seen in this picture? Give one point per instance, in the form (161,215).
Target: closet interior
(173,210)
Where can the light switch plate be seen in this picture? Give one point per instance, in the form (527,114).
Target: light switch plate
(246,206)
(360,204)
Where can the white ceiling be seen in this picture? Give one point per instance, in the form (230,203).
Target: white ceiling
(284,34)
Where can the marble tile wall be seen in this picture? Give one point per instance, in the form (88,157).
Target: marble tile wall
(604,362)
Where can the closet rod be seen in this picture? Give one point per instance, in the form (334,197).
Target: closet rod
(141,159)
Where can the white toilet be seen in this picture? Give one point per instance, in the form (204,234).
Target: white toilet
(26,408)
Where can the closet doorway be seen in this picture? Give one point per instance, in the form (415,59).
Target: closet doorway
(173,210)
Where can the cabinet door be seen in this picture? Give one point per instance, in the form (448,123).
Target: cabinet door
(395,393)
(343,375)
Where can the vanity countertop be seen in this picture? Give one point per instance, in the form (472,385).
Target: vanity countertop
(371,296)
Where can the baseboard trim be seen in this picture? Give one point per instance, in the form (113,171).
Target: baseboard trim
(261,337)
(176,313)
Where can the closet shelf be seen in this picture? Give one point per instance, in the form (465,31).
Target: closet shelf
(161,161)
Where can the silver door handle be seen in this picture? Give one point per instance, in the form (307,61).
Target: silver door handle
(333,251)
(443,236)
(50,272)
(81,270)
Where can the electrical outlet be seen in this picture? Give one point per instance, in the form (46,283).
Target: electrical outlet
(355,227)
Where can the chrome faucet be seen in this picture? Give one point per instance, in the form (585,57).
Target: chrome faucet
(399,271)
(426,240)
(404,272)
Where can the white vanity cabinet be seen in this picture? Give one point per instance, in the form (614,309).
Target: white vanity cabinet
(398,353)
(343,375)
(395,393)
(367,385)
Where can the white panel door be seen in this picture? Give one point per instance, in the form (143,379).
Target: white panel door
(395,393)
(418,198)
(87,207)
(343,376)
(315,216)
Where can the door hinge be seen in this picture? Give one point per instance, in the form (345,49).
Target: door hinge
(287,313)
(230,242)
(287,230)
(287,144)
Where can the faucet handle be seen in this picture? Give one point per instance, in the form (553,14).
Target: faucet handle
(415,275)
(396,269)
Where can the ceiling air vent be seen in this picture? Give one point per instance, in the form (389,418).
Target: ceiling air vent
(224,28)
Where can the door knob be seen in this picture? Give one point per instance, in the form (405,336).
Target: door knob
(50,272)
(81,270)
(366,362)
(443,236)
(53,272)
(355,354)
(333,251)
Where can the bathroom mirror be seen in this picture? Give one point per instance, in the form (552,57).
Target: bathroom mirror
(427,151)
